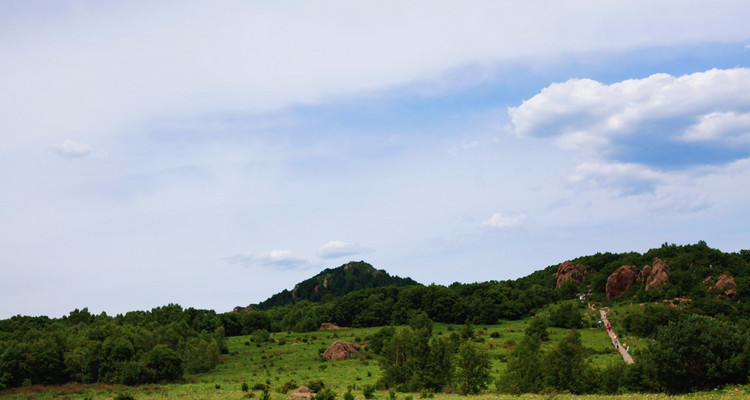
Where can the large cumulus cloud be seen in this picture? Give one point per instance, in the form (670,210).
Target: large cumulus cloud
(662,121)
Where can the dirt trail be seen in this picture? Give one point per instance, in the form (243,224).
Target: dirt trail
(625,355)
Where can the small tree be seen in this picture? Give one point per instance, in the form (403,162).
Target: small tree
(473,369)
(537,328)
(524,372)
(566,367)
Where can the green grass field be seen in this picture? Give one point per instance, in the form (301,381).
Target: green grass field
(292,359)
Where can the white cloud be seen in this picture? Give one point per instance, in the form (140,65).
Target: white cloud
(335,249)
(97,66)
(628,179)
(274,259)
(587,115)
(729,126)
(71,149)
(504,222)
(636,132)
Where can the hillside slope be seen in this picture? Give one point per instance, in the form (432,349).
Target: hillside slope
(336,282)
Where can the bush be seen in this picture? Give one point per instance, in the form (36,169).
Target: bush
(325,394)
(537,328)
(316,385)
(244,387)
(261,335)
(289,385)
(566,316)
(368,391)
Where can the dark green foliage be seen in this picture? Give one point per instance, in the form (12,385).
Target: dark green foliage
(696,353)
(565,366)
(379,338)
(135,348)
(348,395)
(244,387)
(566,315)
(368,391)
(336,282)
(437,370)
(645,322)
(261,335)
(523,373)
(474,368)
(316,385)
(421,322)
(165,362)
(325,394)
(124,396)
(537,328)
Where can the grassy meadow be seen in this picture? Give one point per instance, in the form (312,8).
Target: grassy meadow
(292,359)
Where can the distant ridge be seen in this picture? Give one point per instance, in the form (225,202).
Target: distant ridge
(352,276)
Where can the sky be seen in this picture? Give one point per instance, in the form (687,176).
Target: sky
(212,154)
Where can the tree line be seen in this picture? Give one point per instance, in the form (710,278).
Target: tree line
(135,348)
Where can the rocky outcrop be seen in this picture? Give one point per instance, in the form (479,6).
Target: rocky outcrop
(340,350)
(725,284)
(328,326)
(621,280)
(240,309)
(658,275)
(645,274)
(568,271)
(302,393)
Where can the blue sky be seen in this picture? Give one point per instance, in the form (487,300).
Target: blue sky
(212,155)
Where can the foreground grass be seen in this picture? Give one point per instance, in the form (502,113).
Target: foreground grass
(292,359)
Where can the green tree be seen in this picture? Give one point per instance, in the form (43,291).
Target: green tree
(524,372)
(566,367)
(438,370)
(166,364)
(696,353)
(537,328)
(474,368)
(567,316)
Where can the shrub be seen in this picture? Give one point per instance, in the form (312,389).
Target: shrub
(566,316)
(368,391)
(325,394)
(316,385)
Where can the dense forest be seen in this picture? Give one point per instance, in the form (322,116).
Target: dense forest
(162,344)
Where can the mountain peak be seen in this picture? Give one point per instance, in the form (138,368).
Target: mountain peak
(354,275)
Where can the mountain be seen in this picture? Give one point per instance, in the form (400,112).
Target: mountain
(336,282)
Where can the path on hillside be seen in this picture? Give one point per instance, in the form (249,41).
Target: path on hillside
(625,355)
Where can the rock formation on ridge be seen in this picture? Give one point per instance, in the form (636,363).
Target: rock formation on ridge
(621,280)
(568,271)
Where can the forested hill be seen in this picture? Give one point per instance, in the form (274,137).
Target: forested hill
(355,275)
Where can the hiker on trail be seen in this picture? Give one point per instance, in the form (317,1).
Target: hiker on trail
(627,349)
(617,345)
(599,324)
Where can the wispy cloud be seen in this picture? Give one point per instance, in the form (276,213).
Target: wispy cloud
(335,249)
(628,179)
(71,149)
(274,259)
(505,221)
